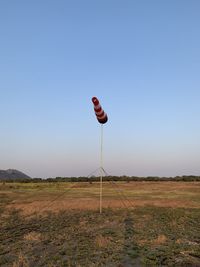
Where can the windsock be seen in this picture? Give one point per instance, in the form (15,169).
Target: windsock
(99,112)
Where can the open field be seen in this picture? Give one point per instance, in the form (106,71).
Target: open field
(58,224)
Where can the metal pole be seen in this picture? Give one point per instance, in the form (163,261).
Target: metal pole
(101,168)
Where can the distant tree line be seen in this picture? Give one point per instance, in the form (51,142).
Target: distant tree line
(184,178)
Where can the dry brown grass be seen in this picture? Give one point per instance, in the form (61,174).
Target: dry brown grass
(102,241)
(33,236)
(84,196)
(93,204)
(21,261)
(161,239)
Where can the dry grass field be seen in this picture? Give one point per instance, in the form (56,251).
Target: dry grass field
(58,224)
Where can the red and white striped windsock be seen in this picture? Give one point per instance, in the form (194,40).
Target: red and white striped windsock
(100,114)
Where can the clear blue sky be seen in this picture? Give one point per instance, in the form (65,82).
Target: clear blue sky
(140,58)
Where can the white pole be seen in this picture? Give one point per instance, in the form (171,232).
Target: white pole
(101,168)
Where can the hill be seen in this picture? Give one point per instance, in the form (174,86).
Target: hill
(12,174)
